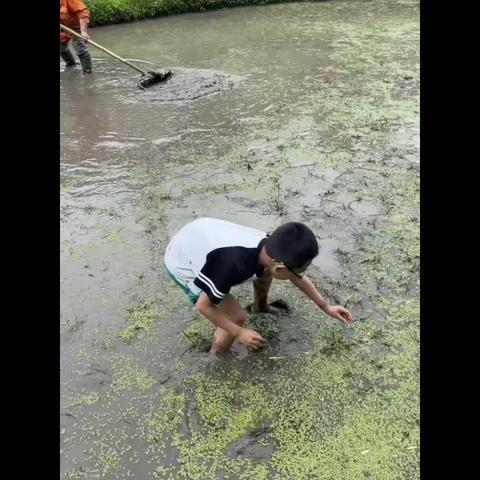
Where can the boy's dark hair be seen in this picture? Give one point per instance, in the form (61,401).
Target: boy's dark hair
(293,243)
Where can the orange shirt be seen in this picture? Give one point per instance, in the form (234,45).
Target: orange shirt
(71,11)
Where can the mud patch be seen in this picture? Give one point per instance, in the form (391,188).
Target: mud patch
(256,444)
(188,84)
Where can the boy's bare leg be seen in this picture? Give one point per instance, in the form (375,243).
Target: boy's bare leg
(222,340)
(261,286)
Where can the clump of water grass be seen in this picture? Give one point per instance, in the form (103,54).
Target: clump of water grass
(266,325)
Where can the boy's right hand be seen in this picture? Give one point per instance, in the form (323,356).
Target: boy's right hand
(251,339)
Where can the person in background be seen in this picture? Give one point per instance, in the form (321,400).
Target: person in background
(75,15)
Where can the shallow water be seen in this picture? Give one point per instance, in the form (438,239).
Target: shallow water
(302,112)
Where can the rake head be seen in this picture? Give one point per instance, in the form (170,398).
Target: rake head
(152,78)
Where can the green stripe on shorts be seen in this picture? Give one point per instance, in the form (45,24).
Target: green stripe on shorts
(193,297)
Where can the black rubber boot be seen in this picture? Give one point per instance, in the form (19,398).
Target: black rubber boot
(86,62)
(68,58)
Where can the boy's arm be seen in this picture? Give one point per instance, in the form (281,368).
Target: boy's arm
(249,338)
(335,311)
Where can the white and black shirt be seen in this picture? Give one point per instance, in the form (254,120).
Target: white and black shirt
(213,255)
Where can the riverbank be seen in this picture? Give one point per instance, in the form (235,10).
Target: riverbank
(104,12)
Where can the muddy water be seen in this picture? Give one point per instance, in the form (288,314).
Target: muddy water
(302,112)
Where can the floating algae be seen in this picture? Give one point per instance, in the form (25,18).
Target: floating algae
(141,318)
(86,399)
(128,376)
(199,334)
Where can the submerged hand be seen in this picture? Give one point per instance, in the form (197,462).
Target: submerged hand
(340,313)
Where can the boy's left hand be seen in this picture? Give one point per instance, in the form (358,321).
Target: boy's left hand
(340,313)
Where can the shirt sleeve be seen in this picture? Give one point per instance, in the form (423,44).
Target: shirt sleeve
(215,277)
(79,8)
